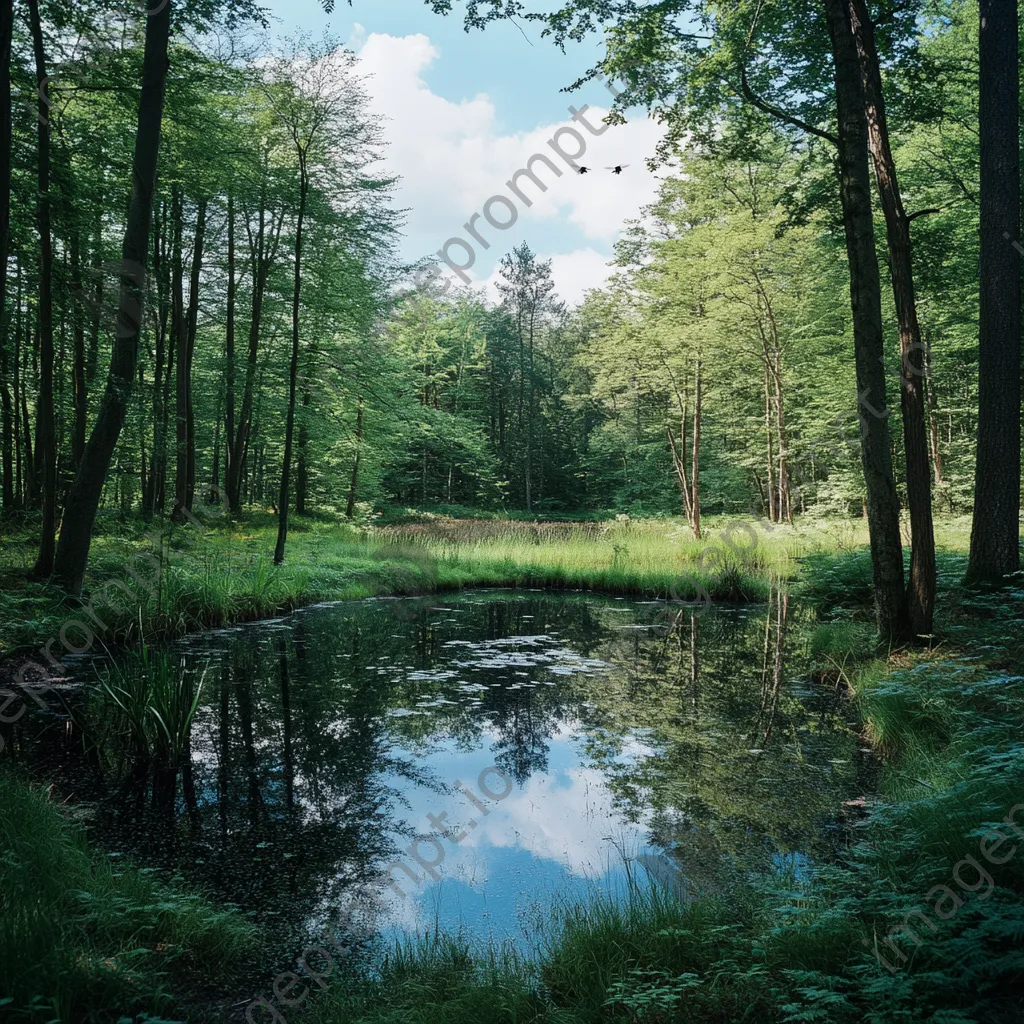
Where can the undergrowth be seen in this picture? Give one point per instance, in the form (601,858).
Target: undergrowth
(86,938)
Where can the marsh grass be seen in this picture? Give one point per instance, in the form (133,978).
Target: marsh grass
(144,703)
(84,937)
(190,579)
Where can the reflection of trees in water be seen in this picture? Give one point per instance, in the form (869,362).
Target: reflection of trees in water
(740,762)
(297,764)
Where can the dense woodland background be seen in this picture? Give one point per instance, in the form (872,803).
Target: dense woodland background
(282,360)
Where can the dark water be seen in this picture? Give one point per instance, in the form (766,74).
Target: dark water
(325,740)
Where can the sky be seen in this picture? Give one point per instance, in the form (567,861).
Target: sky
(464,111)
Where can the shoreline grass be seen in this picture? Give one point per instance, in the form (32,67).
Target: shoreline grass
(186,580)
(84,937)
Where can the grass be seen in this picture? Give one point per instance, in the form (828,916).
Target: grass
(164,582)
(86,938)
(143,707)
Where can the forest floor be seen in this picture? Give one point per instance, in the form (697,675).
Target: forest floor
(926,865)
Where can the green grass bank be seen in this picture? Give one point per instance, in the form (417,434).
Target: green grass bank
(162,581)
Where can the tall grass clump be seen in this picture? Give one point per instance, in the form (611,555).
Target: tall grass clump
(145,704)
(84,938)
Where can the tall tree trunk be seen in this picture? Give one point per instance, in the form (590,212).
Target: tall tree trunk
(92,359)
(149,497)
(179,334)
(229,344)
(84,498)
(353,487)
(293,370)
(7,426)
(933,413)
(192,326)
(995,543)
(785,498)
(212,494)
(773,516)
(698,411)
(921,586)
(46,440)
(17,390)
(6,32)
(165,399)
(869,350)
(302,466)
(81,396)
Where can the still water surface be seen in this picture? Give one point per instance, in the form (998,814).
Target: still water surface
(623,733)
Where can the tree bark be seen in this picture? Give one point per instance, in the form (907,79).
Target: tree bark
(353,487)
(933,413)
(229,344)
(149,497)
(770,435)
(921,586)
(995,543)
(84,498)
(785,493)
(92,359)
(869,350)
(46,440)
(302,464)
(293,370)
(81,396)
(179,334)
(698,410)
(7,483)
(192,324)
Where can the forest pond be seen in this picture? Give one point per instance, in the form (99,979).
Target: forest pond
(562,743)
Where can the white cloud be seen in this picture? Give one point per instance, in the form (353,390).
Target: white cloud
(452,157)
(574,272)
(357,39)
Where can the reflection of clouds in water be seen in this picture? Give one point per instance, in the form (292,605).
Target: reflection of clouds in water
(566,817)
(553,834)
(383,721)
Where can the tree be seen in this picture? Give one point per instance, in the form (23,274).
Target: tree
(7,411)
(46,439)
(869,349)
(995,543)
(527,292)
(921,585)
(84,497)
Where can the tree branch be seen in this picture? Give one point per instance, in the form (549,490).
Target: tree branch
(781,115)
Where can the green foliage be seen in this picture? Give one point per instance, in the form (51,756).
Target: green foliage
(88,938)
